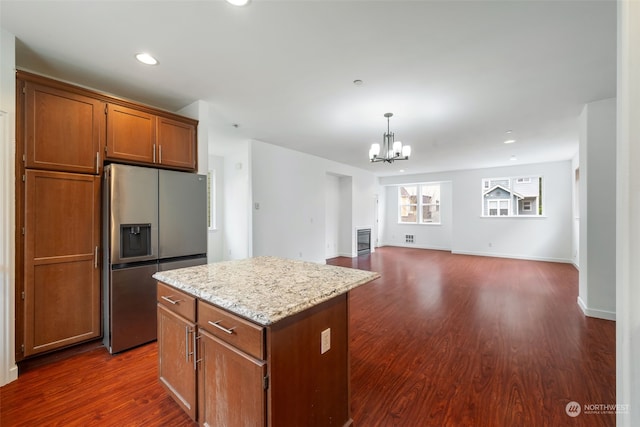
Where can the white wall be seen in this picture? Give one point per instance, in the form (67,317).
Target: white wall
(332,216)
(8,368)
(426,236)
(628,208)
(289,202)
(216,242)
(230,144)
(346,243)
(545,238)
(597,209)
(577,184)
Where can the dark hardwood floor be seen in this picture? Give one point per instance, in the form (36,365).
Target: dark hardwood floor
(438,340)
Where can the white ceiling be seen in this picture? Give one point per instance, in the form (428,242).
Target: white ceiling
(456,74)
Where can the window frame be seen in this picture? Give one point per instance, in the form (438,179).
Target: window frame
(419,205)
(537,203)
(211,200)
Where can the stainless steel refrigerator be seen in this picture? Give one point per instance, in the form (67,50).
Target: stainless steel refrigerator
(153,220)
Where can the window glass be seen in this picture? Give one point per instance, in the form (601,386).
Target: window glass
(512,196)
(419,204)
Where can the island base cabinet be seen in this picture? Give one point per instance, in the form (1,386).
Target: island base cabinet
(176,366)
(309,384)
(231,385)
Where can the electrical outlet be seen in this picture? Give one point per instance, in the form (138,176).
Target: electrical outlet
(325,341)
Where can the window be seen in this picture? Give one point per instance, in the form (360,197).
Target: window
(419,204)
(513,196)
(211,193)
(408,201)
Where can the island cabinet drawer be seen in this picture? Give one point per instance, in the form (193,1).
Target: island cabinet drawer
(177,301)
(240,333)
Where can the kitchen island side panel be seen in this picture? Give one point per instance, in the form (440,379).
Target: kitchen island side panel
(306,386)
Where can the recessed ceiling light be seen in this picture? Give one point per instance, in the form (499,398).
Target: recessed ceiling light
(145,58)
(513,158)
(509,139)
(238,2)
(401,170)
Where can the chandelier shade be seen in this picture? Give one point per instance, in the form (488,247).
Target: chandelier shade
(392,150)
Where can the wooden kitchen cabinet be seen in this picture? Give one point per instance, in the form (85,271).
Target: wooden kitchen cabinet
(138,136)
(61,265)
(131,135)
(176,344)
(176,143)
(232,385)
(63,130)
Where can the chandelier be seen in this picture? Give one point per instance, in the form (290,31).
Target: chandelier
(391,150)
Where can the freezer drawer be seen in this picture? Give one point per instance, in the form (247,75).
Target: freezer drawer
(133,307)
(181,263)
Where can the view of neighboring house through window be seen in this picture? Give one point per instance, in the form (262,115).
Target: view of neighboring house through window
(419,204)
(515,196)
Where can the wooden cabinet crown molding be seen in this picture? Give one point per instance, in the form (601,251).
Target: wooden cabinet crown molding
(102,96)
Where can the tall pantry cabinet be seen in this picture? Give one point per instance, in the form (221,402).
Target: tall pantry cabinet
(59,175)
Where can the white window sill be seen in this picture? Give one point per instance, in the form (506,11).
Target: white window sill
(515,216)
(421,223)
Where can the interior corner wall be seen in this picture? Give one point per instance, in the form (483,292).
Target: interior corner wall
(232,146)
(216,241)
(346,247)
(199,110)
(8,367)
(332,216)
(289,202)
(575,203)
(597,200)
(628,206)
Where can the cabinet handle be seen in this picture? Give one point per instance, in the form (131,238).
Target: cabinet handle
(195,346)
(169,300)
(186,344)
(159,153)
(154,153)
(95,258)
(98,163)
(222,328)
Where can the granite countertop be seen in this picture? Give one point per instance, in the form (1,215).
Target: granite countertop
(265,289)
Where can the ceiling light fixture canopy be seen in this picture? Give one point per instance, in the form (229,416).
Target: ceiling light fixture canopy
(391,150)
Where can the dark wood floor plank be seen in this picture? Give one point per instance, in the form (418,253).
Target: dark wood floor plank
(454,340)
(438,340)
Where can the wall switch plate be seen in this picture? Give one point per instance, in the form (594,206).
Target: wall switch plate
(325,341)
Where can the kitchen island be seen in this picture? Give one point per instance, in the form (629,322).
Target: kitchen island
(262,341)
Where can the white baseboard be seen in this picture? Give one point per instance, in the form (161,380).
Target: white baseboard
(598,314)
(512,256)
(410,245)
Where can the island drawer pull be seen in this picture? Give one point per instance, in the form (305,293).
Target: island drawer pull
(168,299)
(222,328)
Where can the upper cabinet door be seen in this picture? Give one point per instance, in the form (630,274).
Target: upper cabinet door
(176,144)
(64,131)
(130,135)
